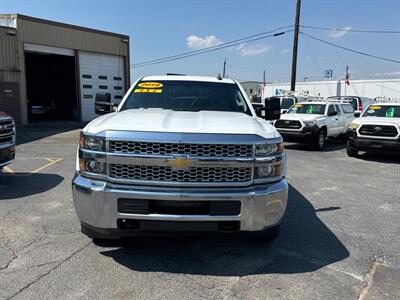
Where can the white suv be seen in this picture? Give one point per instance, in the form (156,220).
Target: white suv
(312,122)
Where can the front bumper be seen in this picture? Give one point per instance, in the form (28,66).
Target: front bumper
(96,204)
(371,144)
(7,155)
(306,135)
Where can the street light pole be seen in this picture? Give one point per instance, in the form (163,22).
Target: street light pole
(295,46)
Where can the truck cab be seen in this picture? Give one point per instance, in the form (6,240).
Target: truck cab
(7,139)
(313,121)
(181,153)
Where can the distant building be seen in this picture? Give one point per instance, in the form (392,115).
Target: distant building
(252,88)
(52,71)
(371,88)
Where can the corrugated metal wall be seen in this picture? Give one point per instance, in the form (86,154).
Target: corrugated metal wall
(66,37)
(9,56)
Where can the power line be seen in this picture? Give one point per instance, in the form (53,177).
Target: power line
(250,38)
(352,30)
(348,49)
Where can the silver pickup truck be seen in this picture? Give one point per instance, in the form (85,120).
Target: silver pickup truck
(7,139)
(180,153)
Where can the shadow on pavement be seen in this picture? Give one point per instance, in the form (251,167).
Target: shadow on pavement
(389,158)
(305,245)
(330,145)
(18,185)
(40,130)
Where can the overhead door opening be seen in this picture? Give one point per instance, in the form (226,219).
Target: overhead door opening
(51,87)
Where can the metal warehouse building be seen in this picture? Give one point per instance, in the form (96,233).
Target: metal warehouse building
(52,71)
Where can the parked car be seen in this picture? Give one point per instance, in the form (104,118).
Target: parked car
(7,139)
(358,103)
(181,153)
(313,122)
(378,129)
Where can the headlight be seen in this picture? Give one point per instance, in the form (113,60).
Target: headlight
(92,143)
(353,126)
(309,123)
(269,149)
(274,169)
(91,166)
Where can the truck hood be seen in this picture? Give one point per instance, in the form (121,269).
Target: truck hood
(377,120)
(301,117)
(160,120)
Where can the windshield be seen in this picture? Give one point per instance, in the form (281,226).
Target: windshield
(286,103)
(315,109)
(383,111)
(187,96)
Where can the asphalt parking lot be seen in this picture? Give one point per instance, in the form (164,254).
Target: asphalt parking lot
(339,238)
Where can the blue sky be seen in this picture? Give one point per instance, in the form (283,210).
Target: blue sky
(163,28)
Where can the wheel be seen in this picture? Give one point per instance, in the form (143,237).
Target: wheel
(351,151)
(320,139)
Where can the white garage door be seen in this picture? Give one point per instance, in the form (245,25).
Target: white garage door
(99,73)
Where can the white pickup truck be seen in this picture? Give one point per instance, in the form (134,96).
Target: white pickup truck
(313,122)
(7,139)
(181,153)
(378,129)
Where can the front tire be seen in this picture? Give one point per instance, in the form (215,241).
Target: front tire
(320,140)
(351,151)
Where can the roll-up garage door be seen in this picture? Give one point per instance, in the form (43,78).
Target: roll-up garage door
(99,73)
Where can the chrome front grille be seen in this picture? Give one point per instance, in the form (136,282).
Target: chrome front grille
(199,150)
(168,174)
(6,131)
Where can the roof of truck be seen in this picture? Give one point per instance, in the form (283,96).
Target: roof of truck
(187,78)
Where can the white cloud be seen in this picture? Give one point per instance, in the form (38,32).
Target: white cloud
(338,33)
(388,74)
(197,42)
(255,49)
(283,51)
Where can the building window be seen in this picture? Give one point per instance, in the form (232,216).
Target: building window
(102,77)
(87,86)
(86,76)
(117,87)
(251,91)
(103,87)
(117,97)
(88,96)
(118,78)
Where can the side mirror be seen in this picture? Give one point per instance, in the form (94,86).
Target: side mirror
(332,113)
(357,114)
(273,109)
(102,104)
(259,109)
(284,111)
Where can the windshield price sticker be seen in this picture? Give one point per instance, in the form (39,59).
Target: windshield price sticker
(375,107)
(298,105)
(154,91)
(150,84)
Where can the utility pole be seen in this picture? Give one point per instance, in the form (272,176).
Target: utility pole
(295,46)
(264,78)
(223,72)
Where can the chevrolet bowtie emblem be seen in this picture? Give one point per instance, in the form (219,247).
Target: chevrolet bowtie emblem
(180,163)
